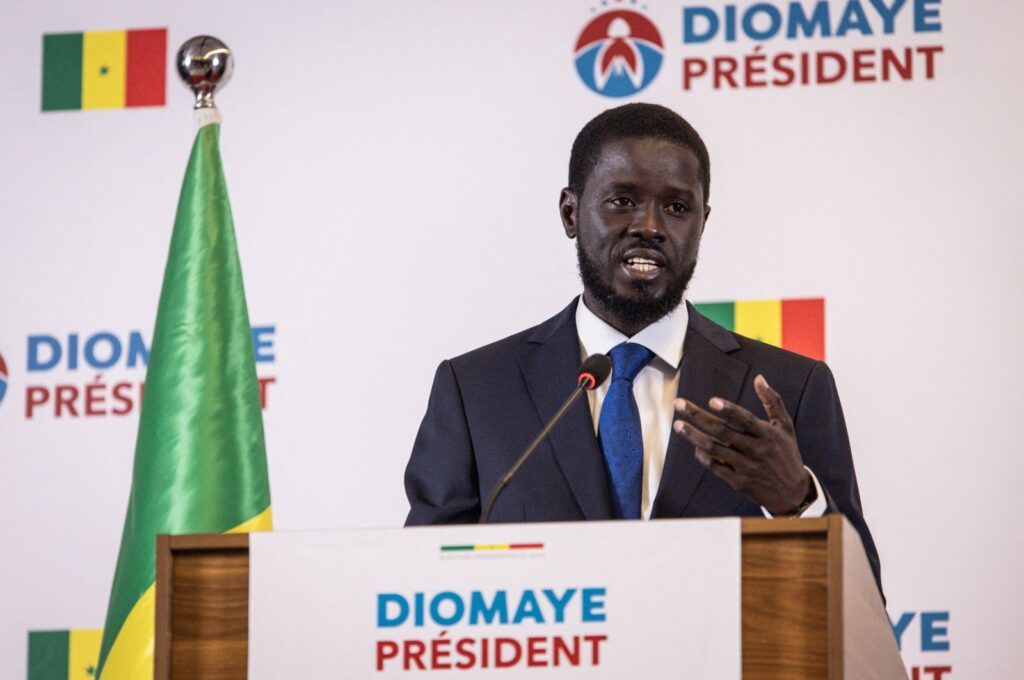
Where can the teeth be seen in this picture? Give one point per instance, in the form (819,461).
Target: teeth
(641,264)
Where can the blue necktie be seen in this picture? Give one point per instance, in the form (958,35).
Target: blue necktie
(619,430)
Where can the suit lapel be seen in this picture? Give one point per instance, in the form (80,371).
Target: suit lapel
(549,362)
(706,371)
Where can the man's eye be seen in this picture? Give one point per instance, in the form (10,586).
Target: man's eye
(677,208)
(622,202)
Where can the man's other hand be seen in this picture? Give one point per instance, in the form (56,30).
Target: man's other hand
(759,458)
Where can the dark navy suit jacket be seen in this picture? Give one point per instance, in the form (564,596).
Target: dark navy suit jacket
(486,406)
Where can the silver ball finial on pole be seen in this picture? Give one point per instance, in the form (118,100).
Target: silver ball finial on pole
(205,65)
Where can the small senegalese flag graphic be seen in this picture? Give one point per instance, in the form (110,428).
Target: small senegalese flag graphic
(63,654)
(796,325)
(104,69)
(491,547)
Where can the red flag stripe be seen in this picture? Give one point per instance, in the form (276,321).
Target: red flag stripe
(803,327)
(147,67)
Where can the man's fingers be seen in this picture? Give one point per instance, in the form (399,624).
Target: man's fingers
(721,470)
(708,450)
(737,416)
(718,428)
(772,402)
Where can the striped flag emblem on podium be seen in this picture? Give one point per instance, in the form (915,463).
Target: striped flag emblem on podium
(796,325)
(63,654)
(104,69)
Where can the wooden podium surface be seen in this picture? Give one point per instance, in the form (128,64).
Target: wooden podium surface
(810,607)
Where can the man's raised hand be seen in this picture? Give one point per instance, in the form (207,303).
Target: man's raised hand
(759,458)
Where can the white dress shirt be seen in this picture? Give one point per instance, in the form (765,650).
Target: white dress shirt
(654,388)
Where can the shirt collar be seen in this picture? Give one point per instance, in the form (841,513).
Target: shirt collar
(664,337)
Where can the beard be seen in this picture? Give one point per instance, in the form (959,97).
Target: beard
(643,309)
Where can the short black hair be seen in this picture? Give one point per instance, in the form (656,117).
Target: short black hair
(633,121)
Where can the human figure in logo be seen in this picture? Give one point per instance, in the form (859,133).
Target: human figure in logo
(695,421)
(618,55)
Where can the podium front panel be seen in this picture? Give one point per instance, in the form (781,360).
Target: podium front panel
(588,600)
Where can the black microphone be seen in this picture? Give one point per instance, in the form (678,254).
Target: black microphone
(594,371)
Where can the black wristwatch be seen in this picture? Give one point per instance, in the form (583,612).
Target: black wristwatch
(812,495)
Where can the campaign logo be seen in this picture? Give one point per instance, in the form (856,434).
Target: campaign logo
(619,53)
(923,638)
(70,394)
(3,378)
(507,628)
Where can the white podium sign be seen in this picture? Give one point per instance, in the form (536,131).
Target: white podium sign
(584,600)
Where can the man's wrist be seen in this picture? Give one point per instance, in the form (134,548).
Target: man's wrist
(816,507)
(809,498)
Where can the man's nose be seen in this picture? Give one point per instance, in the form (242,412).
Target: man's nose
(648,223)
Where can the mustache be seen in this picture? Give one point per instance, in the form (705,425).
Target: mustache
(640,242)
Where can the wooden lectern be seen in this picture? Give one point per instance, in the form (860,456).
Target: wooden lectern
(809,604)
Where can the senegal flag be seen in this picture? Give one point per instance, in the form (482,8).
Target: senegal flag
(796,325)
(200,459)
(63,654)
(104,69)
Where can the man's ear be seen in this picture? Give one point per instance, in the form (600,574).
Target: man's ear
(567,210)
(707,214)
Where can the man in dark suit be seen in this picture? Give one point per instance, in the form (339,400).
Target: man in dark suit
(639,178)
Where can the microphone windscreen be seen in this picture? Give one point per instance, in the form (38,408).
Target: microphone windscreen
(594,371)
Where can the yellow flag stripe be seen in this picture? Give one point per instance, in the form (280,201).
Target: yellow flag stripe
(261,522)
(131,655)
(760,320)
(104,61)
(83,653)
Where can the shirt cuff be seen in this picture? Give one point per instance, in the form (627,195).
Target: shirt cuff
(815,509)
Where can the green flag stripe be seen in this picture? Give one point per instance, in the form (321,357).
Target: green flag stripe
(48,655)
(722,313)
(200,458)
(62,71)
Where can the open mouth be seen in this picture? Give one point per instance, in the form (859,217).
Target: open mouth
(642,264)
(645,264)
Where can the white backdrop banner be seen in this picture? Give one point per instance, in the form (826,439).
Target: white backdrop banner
(600,600)
(394,169)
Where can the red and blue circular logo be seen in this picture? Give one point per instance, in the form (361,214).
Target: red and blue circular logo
(3,378)
(618,53)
